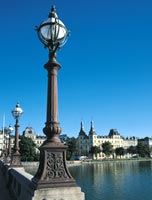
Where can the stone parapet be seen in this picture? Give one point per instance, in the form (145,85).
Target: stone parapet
(20,186)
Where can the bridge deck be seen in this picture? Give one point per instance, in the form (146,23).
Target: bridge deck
(4,192)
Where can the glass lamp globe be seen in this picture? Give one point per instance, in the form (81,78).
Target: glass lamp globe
(52,32)
(17,111)
(10,129)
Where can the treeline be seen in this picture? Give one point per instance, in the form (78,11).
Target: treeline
(140,150)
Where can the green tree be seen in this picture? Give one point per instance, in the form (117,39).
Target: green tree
(120,151)
(95,150)
(143,150)
(71,147)
(132,150)
(107,148)
(28,149)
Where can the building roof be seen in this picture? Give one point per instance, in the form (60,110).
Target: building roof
(29,130)
(113,132)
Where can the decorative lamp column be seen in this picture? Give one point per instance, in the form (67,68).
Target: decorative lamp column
(10,130)
(52,171)
(15,160)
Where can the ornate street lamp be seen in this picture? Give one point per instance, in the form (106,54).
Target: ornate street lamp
(15,160)
(52,171)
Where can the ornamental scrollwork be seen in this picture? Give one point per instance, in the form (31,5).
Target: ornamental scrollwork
(55,166)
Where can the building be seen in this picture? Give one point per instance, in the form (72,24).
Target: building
(130,141)
(1,142)
(85,142)
(30,133)
(39,139)
(4,141)
(146,141)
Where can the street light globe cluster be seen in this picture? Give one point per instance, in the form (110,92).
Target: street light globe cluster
(52,32)
(17,111)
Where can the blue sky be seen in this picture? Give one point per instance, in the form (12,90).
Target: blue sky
(106,65)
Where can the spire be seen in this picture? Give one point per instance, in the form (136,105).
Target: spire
(3,130)
(82,126)
(92,126)
(82,132)
(92,131)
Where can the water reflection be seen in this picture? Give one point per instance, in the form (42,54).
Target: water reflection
(127,180)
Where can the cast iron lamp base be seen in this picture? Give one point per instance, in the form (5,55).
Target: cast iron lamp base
(16,161)
(52,171)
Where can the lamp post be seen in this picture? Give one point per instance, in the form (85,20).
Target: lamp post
(15,160)
(10,130)
(6,140)
(52,170)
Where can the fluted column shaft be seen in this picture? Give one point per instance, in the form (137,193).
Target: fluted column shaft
(52,128)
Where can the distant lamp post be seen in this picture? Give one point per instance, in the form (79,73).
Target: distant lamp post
(10,130)
(52,171)
(7,132)
(15,160)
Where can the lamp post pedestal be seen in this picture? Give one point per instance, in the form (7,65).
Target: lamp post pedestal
(52,171)
(15,160)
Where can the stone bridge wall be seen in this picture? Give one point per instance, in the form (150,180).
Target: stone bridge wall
(19,184)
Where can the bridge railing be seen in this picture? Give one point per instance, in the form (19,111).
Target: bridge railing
(18,182)
(20,186)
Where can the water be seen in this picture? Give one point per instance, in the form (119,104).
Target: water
(123,180)
(127,180)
